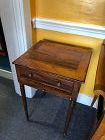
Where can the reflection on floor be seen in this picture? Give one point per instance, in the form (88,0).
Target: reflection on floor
(4,63)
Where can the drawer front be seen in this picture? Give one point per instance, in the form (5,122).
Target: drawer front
(46,78)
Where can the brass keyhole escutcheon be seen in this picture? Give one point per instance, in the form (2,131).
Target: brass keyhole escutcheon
(59,84)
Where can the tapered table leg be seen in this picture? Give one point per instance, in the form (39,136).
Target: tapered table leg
(24,101)
(68,117)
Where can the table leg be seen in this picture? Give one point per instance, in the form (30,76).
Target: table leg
(69,114)
(100,108)
(24,101)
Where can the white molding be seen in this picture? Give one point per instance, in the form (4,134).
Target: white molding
(27,23)
(70,27)
(6,74)
(85,100)
(17,31)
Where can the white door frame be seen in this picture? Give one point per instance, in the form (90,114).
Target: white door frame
(16,20)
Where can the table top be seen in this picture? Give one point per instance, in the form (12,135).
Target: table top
(66,60)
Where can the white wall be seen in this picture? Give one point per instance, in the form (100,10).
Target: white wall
(16,20)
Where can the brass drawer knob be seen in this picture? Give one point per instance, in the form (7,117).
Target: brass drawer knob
(43,90)
(59,84)
(30,75)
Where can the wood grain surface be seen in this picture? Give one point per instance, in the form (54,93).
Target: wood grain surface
(58,58)
(54,68)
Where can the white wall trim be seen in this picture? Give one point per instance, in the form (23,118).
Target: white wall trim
(6,74)
(70,27)
(17,31)
(85,100)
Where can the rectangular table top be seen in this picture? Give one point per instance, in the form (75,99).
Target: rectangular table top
(66,60)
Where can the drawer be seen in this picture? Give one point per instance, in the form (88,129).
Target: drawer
(46,78)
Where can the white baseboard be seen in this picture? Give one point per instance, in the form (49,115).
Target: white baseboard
(86,100)
(70,27)
(6,74)
(30,92)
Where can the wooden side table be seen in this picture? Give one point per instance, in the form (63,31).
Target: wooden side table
(56,68)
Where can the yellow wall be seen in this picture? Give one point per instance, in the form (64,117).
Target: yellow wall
(86,88)
(83,11)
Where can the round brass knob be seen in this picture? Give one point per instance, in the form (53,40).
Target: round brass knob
(43,90)
(30,75)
